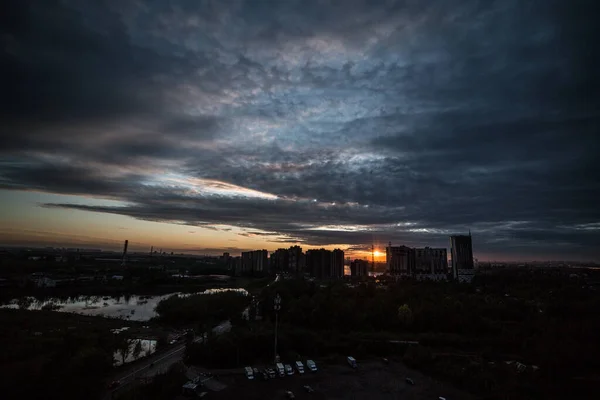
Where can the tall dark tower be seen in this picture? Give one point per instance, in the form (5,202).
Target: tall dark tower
(461,248)
(124,252)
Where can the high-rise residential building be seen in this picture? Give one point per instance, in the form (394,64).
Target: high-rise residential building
(359,268)
(463,268)
(325,264)
(296,260)
(399,260)
(337,263)
(420,263)
(236,265)
(280,260)
(430,263)
(318,263)
(255,262)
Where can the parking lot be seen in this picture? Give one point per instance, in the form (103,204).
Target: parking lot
(370,381)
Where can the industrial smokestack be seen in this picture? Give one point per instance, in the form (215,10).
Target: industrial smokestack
(124,252)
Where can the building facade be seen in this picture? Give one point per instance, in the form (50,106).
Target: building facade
(420,263)
(399,260)
(325,264)
(255,262)
(296,260)
(318,263)
(359,268)
(337,264)
(430,263)
(279,260)
(463,268)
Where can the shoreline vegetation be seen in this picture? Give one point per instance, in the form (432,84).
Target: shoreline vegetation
(512,335)
(516,335)
(121,290)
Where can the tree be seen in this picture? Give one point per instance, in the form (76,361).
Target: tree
(123,346)
(137,349)
(405,315)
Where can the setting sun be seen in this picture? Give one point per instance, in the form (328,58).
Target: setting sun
(377,253)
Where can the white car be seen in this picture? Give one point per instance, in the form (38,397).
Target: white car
(352,362)
(249,373)
(289,370)
(280,369)
(310,364)
(299,367)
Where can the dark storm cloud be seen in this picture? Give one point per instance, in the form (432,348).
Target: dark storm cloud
(390,120)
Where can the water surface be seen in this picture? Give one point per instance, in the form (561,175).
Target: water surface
(131,307)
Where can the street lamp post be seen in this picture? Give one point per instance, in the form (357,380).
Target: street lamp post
(276,307)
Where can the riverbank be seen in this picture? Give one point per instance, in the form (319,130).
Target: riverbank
(61,353)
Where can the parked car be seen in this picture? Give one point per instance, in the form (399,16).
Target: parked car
(197,381)
(280,369)
(255,370)
(351,362)
(249,373)
(299,367)
(271,372)
(311,365)
(114,384)
(289,370)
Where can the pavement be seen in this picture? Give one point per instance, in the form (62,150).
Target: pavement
(156,364)
(160,363)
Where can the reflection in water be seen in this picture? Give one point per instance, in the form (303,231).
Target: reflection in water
(130,307)
(138,348)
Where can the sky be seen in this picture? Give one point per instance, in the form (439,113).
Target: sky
(211,126)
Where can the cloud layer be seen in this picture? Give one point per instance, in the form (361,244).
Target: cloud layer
(311,121)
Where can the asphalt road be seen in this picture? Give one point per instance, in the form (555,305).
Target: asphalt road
(161,362)
(156,364)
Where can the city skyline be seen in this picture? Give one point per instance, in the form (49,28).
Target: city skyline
(245,125)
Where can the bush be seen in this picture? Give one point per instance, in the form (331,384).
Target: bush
(207,308)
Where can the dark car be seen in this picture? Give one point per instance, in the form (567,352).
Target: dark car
(114,384)
(271,372)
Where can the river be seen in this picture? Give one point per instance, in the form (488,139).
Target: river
(133,308)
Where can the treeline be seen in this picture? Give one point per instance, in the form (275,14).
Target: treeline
(205,309)
(51,355)
(255,343)
(550,322)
